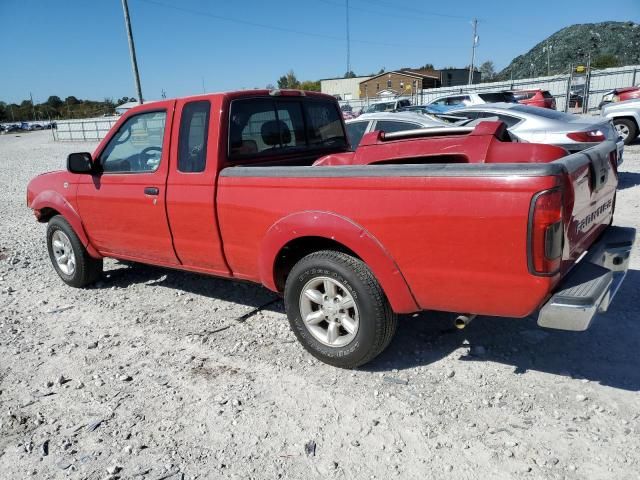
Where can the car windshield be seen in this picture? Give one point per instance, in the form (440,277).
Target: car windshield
(495,97)
(380,107)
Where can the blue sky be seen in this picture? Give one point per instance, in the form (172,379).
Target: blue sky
(74,47)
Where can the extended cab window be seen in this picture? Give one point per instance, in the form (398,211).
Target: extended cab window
(265,126)
(192,143)
(137,146)
(395,126)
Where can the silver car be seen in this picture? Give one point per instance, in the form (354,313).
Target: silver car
(626,118)
(389,122)
(543,125)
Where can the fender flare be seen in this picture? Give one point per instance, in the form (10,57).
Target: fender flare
(346,232)
(55,201)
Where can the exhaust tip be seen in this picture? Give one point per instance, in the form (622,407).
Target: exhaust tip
(462,321)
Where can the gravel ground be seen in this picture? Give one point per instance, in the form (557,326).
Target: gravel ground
(157,374)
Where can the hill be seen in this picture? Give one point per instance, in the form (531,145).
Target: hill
(611,44)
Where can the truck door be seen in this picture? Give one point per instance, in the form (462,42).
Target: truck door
(123,206)
(191,185)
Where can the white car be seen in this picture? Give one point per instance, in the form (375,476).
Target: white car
(543,125)
(389,122)
(388,106)
(450,102)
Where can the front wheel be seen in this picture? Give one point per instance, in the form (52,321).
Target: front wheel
(70,259)
(338,310)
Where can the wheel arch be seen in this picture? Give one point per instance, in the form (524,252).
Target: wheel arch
(49,203)
(299,234)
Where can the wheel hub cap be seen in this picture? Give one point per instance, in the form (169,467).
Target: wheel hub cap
(329,311)
(63,253)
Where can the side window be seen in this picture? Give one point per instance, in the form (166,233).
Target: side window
(355,132)
(509,120)
(137,146)
(454,100)
(192,141)
(395,126)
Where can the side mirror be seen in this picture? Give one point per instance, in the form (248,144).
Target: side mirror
(80,162)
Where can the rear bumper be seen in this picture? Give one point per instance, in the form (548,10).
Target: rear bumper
(590,287)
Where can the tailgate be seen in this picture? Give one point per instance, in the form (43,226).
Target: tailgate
(592,179)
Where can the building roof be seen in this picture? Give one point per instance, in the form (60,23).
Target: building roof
(409,73)
(346,78)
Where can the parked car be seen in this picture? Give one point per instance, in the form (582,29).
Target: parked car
(620,95)
(388,106)
(388,122)
(463,221)
(542,125)
(451,102)
(625,117)
(535,98)
(12,128)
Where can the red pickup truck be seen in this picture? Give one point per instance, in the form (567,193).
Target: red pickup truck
(263,186)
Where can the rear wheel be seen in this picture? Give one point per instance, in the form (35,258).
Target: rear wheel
(627,129)
(70,259)
(338,310)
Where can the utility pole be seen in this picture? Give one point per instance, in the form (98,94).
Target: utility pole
(548,49)
(33,108)
(132,50)
(348,40)
(473,49)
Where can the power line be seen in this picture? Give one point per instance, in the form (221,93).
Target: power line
(395,14)
(263,25)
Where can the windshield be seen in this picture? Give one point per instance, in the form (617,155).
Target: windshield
(498,97)
(381,107)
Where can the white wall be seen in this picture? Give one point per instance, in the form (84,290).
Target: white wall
(347,88)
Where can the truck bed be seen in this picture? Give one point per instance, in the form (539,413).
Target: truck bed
(457,232)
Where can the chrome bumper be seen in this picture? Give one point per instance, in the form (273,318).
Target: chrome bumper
(590,287)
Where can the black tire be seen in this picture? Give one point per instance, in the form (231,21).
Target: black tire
(377,322)
(630,125)
(87,269)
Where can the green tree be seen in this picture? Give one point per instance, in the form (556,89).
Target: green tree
(488,70)
(350,74)
(71,100)
(606,60)
(54,101)
(426,66)
(310,85)
(288,81)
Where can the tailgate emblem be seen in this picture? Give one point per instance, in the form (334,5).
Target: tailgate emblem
(582,225)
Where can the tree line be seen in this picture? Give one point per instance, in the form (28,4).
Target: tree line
(57,109)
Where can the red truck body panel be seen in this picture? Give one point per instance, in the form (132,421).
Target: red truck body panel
(452,235)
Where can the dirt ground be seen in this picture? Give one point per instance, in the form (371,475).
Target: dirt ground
(156,374)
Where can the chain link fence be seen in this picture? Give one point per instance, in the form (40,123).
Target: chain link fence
(79,130)
(577,93)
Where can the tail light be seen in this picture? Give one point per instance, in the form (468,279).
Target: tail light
(590,136)
(546,232)
(615,98)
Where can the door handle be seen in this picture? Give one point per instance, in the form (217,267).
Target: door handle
(151,191)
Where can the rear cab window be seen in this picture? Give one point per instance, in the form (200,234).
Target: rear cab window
(192,141)
(395,126)
(265,127)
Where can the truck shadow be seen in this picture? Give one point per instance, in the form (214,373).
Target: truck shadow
(244,293)
(607,353)
(628,180)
